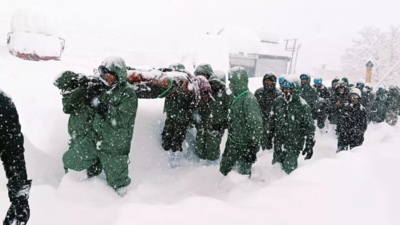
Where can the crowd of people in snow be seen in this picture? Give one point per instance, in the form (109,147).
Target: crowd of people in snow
(282,117)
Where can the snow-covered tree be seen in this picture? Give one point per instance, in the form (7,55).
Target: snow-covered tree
(382,48)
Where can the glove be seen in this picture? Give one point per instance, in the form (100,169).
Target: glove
(91,93)
(102,108)
(308,150)
(250,155)
(19,211)
(83,81)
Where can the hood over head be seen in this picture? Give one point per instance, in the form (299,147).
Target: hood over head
(239,80)
(306,76)
(204,69)
(356,91)
(177,66)
(218,77)
(295,86)
(346,81)
(117,67)
(269,76)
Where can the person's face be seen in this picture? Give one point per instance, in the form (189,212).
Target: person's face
(354,99)
(334,84)
(287,91)
(216,87)
(318,85)
(341,90)
(304,81)
(111,79)
(268,82)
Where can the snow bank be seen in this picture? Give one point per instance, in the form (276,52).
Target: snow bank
(33,43)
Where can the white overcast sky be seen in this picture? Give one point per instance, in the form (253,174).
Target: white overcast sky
(324,27)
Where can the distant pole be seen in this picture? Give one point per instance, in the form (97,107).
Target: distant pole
(291,49)
(297,55)
(369,72)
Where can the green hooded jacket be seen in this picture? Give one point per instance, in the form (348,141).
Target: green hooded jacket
(291,123)
(80,122)
(245,120)
(380,106)
(214,120)
(215,113)
(245,125)
(115,129)
(308,93)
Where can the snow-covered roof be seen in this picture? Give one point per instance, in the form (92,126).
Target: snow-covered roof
(34,20)
(241,39)
(268,36)
(247,41)
(272,49)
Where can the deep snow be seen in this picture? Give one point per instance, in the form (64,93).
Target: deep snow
(356,187)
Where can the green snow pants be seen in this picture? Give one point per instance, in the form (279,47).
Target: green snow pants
(207,145)
(287,158)
(232,158)
(83,154)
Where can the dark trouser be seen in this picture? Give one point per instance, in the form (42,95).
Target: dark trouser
(320,115)
(287,158)
(83,154)
(391,117)
(346,138)
(232,158)
(174,134)
(207,144)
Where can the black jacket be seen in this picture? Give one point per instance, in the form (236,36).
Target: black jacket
(323,92)
(356,119)
(265,98)
(11,141)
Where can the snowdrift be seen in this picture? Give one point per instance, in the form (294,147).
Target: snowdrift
(34,36)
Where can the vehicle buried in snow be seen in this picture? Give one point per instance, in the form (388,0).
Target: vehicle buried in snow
(34,36)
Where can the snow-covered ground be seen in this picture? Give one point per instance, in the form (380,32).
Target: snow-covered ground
(357,187)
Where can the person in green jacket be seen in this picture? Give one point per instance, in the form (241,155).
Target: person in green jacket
(380,106)
(393,105)
(178,108)
(245,126)
(308,93)
(346,81)
(114,122)
(291,124)
(77,97)
(214,120)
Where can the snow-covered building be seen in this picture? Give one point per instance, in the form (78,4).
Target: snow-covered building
(325,74)
(258,53)
(34,36)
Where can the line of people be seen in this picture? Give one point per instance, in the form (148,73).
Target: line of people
(103,110)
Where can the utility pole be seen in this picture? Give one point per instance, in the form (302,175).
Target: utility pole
(291,49)
(297,55)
